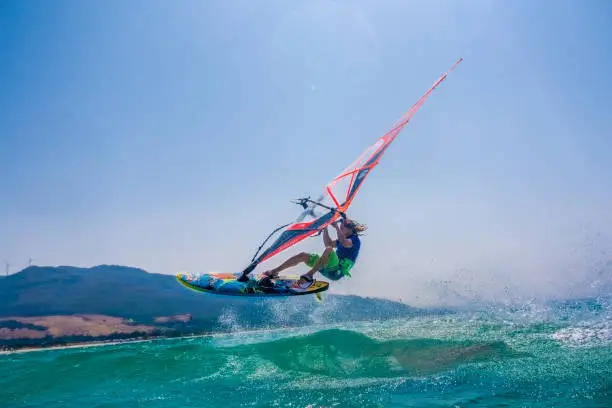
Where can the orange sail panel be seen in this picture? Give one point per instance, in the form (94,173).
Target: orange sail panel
(343,188)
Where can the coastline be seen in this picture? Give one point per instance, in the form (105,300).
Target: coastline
(92,343)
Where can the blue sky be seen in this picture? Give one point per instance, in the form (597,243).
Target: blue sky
(172,135)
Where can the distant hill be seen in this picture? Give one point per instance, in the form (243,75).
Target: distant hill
(106,299)
(104,289)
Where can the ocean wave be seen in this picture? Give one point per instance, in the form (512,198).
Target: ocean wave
(335,353)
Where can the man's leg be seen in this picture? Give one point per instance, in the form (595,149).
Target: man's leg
(321,262)
(293,261)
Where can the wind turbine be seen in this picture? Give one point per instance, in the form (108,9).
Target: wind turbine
(8,266)
(30,259)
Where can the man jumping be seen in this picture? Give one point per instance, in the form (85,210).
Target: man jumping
(332,264)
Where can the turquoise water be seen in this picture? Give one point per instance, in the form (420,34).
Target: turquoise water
(528,356)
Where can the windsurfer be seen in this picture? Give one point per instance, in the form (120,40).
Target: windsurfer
(332,264)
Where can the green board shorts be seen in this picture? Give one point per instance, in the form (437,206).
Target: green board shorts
(335,269)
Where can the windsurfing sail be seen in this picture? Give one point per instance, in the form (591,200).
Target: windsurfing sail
(339,193)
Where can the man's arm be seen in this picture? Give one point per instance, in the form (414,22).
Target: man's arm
(347,243)
(327,240)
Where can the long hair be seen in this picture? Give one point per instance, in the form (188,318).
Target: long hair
(357,228)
